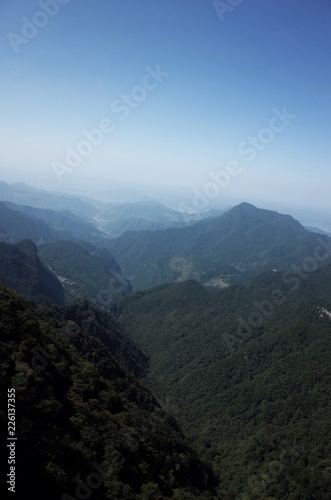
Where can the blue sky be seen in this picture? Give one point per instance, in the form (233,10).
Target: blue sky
(225,79)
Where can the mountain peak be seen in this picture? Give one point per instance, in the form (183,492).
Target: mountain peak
(244,206)
(246,216)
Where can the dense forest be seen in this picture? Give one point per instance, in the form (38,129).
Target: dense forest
(254,397)
(196,388)
(84,422)
(165,250)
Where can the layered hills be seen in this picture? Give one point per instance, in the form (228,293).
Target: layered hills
(231,248)
(16,226)
(108,218)
(234,343)
(62,272)
(22,194)
(118,218)
(85,271)
(64,224)
(19,222)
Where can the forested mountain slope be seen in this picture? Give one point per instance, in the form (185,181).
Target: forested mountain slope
(228,249)
(85,424)
(22,271)
(247,372)
(85,271)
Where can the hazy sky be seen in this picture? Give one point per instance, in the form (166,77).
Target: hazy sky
(181,90)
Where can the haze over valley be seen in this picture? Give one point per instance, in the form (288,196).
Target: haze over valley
(165,250)
(213,312)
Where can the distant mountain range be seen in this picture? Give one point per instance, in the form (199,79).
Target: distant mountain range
(317,230)
(22,194)
(234,343)
(149,216)
(16,226)
(227,249)
(224,248)
(58,210)
(43,225)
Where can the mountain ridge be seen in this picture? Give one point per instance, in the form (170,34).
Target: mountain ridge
(245,237)
(22,271)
